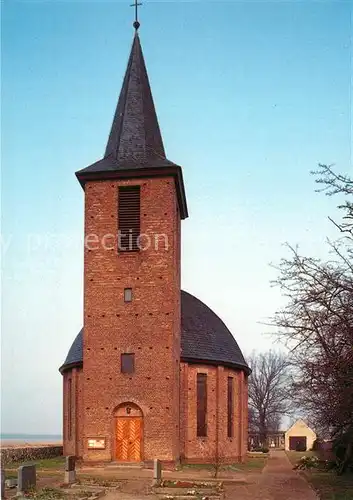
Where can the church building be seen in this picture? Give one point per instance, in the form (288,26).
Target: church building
(154,372)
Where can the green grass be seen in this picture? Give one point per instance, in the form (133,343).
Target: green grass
(196,466)
(251,464)
(295,456)
(88,479)
(56,463)
(47,494)
(330,486)
(10,474)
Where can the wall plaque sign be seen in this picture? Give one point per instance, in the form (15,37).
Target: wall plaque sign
(96,443)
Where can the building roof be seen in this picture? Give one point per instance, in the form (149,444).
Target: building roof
(204,339)
(135,146)
(135,139)
(299,423)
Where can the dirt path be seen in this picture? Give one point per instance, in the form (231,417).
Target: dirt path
(278,481)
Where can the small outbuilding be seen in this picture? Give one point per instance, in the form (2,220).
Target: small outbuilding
(299,437)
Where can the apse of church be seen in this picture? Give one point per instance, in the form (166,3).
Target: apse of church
(154,373)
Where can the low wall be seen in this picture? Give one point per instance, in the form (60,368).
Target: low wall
(9,455)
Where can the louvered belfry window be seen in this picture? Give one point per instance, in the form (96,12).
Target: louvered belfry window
(129,218)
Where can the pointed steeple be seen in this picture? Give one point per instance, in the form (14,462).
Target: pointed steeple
(135,137)
(135,146)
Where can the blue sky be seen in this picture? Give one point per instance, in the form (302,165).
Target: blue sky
(250,97)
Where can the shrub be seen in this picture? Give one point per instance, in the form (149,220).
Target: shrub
(307,463)
(260,449)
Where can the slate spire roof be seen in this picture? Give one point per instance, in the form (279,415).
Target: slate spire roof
(135,144)
(135,136)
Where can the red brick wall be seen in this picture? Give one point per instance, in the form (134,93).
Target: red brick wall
(192,448)
(67,445)
(79,414)
(71,445)
(246,415)
(204,449)
(149,326)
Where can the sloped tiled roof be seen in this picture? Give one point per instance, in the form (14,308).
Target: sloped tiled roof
(204,338)
(75,354)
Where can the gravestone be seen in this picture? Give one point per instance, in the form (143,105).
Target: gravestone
(26,478)
(2,484)
(157,472)
(70,473)
(11,483)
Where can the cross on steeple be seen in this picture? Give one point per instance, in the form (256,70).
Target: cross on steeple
(136,22)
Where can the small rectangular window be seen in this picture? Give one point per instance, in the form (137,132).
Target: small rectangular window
(127,294)
(127,363)
(201,404)
(230,406)
(129,219)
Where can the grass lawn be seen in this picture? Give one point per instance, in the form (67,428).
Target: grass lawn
(329,486)
(252,464)
(56,463)
(255,464)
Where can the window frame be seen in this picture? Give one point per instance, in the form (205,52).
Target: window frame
(127,369)
(201,405)
(129,218)
(69,409)
(127,290)
(230,407)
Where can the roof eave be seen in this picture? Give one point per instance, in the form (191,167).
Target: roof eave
(227,364)
(65,367)
(194,361)
(143,172)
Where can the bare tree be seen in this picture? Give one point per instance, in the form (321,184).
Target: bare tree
(268,394)
(317,324)
(333,184)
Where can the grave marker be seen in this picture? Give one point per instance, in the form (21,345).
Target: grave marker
(2,484)
(70,473)
(26,478)
(157,472)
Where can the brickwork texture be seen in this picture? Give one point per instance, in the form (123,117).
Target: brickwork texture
(162,387)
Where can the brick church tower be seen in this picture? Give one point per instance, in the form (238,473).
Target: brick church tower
(134,200)
(154,373)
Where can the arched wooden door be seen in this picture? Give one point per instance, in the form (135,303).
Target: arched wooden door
(128,422)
